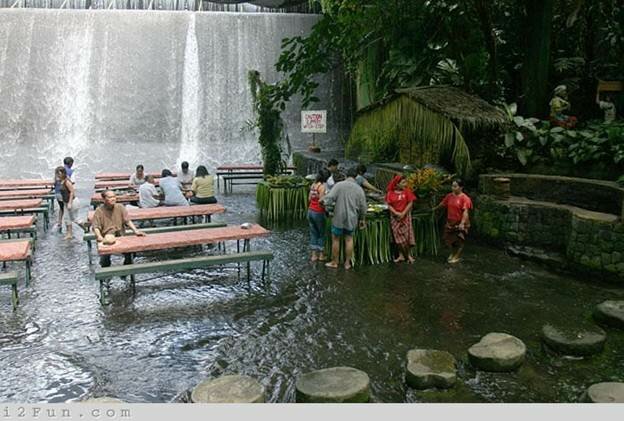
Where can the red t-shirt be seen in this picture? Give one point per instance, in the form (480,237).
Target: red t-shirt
(315,195)
(399,199)
(455,206)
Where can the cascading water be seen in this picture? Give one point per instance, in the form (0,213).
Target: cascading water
(191,106)
(116,88)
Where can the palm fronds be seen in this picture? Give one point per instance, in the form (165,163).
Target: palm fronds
(283,203)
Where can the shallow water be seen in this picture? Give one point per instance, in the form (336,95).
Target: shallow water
(62,345)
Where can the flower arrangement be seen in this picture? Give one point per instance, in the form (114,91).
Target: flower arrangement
(427,181)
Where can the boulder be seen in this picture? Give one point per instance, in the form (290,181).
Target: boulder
(609,392)
(581,341)
(333,385)
(228,389)
(610,313)
(497,352)
(428,368)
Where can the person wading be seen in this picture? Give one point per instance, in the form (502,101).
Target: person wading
(349,213)
(457,206)
(400,199)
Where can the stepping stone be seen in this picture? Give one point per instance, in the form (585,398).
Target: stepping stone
(497,352)
(578,341)
(103,399)
(428,368)
(333,385)
(609,392)
(228,389)
(610,313)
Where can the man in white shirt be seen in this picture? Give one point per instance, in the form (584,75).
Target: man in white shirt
(148,195)
(172,190)
(332,167)
(185,176)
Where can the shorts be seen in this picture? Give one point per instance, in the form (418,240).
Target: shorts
(339,232)
(71,215)
(59,200)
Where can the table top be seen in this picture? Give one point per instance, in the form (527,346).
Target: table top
(169,240)
(16,222)
(26,182)
(14,250)
(24,193)
(20,204)
(243,167)
(121,198)
(161,212)
(111,184)
(121,175)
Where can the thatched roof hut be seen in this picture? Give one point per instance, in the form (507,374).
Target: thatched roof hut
(422,125)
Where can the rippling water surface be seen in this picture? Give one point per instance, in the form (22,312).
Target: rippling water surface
(181,328)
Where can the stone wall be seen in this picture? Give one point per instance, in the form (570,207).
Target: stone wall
(587,241)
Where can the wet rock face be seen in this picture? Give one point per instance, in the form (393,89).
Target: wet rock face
(428,368)
(610,313)
(334,385)
(609,392)
(228,389)
(582,341)
(497,352)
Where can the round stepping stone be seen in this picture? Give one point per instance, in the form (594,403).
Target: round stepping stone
(228,389)
(610,313)
(497,352)
(103,399)
(334,385)
(428,368)
(608,392)
(582,341)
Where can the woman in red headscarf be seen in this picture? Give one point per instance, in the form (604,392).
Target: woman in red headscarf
(400,199)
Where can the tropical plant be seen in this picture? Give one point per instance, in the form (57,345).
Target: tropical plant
(268,122)
(282,202)
(427,181)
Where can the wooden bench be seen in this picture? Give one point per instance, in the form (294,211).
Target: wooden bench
(229,173)
(18,224)
(44,211)
(10,278)
(103,275)
(18,250)
(89,238)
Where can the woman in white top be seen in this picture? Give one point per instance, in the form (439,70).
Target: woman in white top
(138,177)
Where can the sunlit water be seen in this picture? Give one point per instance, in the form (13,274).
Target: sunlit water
(181,328)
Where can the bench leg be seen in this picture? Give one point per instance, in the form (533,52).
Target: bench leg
(14,296)
(102,289)
(89,251)
(28,265)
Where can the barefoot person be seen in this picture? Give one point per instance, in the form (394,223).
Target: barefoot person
(349,213)
(316,215)
(457,206)
(68,194)
(400,199)
(110,219)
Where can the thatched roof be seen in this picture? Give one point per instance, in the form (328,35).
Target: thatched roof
(463,109)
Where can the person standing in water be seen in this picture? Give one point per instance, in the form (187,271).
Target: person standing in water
(458,205)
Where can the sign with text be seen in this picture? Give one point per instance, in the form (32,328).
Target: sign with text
(314,121)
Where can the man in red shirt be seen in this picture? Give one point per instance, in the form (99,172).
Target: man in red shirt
(457,206)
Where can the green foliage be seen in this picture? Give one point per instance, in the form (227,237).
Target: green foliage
(268,122)
(534,141)
(283,202)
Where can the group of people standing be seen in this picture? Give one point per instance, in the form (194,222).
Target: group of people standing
(345,193)
(187,186)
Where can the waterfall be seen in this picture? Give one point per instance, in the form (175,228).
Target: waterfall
(117,88)
(191,105)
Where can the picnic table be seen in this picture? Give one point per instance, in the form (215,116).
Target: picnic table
(251,172)
(166,212)
(15,184)
(116,184)
(25,206)
(110,176)
(29,194)
(17,251)
(169,240)
(18,224)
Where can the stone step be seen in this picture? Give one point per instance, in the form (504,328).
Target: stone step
(497,352)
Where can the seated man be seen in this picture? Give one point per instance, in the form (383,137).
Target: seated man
(138,178)
(112,218)
(148,195)
(171,190)
(185,177)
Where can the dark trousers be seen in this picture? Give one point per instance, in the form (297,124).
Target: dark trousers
(204,200)
(105,261)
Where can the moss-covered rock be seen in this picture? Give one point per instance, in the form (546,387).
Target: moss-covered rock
(428,368)
(610,313)
(577,341)
(333,385)
(497,352)
(228,389)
